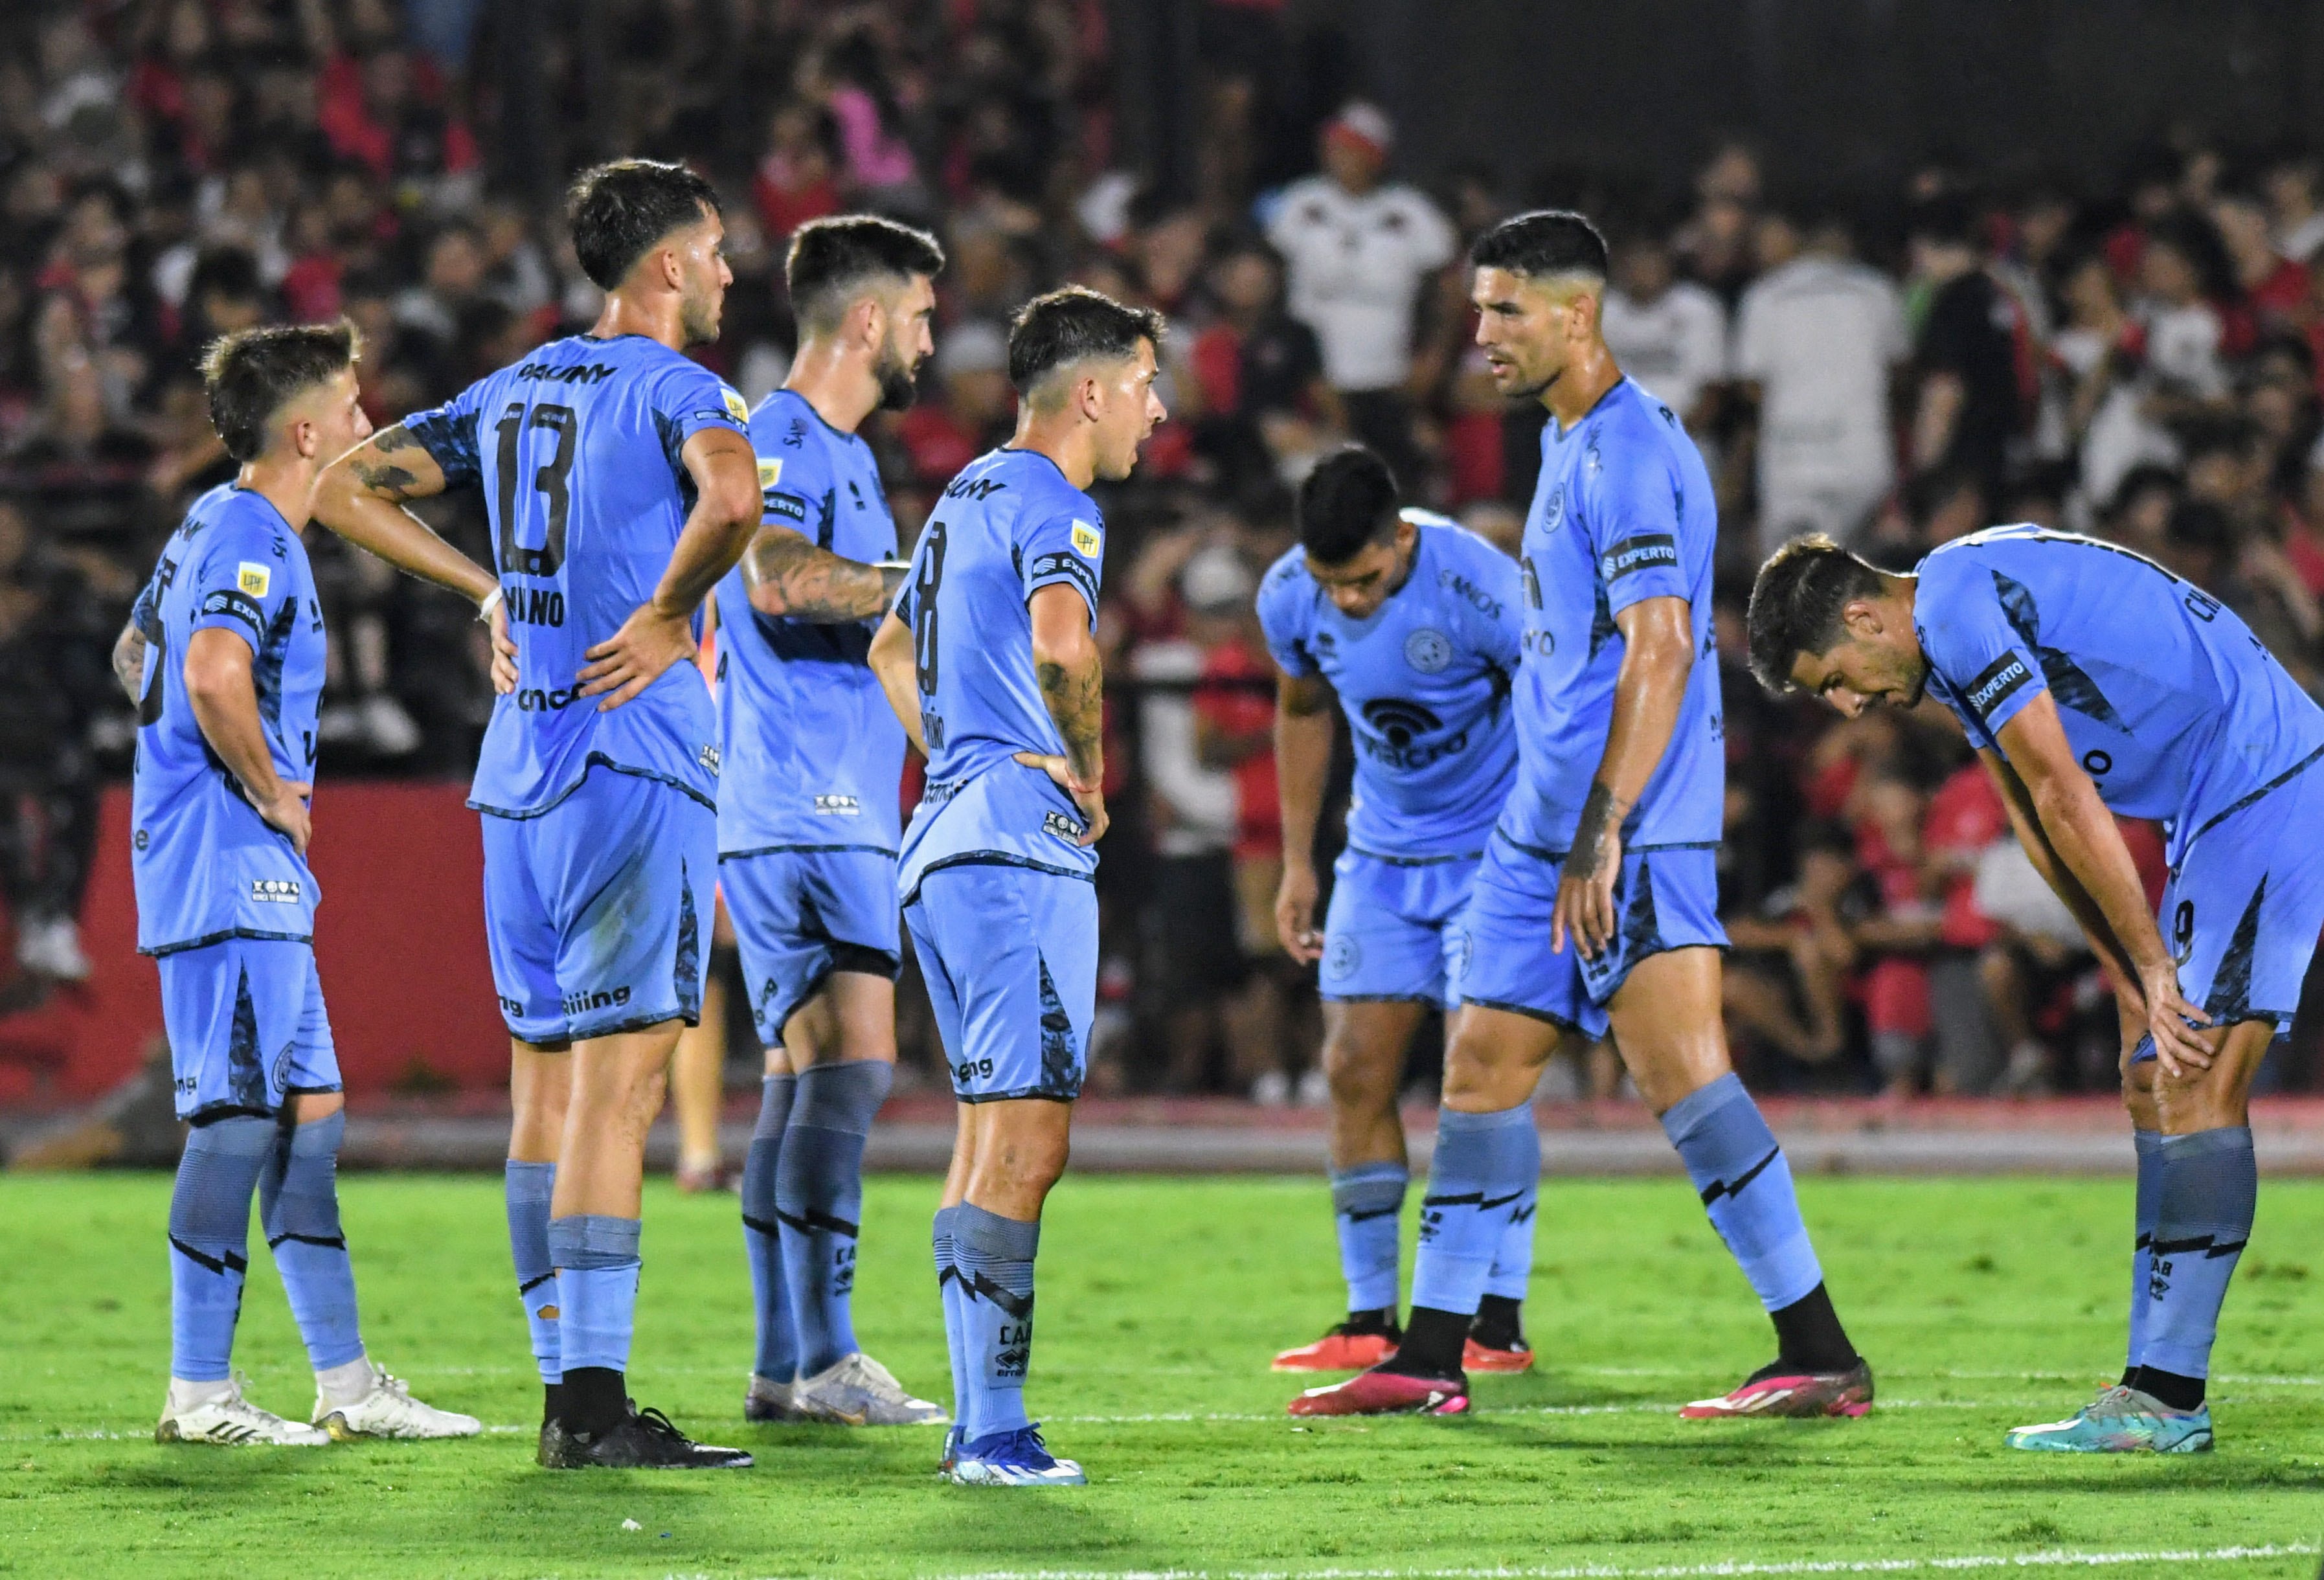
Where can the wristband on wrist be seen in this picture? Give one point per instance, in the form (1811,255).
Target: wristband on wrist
(485,609)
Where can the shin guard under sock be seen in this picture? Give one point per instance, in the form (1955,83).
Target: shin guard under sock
(299,1207)
(209,1241)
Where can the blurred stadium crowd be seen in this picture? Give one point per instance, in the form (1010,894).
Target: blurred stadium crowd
(2138,359)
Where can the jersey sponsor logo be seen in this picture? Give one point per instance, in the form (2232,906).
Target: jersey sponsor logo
(1086,540)
(253,578)
(533,699)
(835,806)
(1461,587)
(275,891)
(770,471)
(734,405)
(1427,651)
(1397,727)
(575,1004)
(973,487)
(143,839)
(788,506)
(586,372)
(1643,553)
(2001,679)
(1063,827)
(227,600)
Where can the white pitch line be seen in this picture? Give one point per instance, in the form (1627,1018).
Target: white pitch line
(2055,1558)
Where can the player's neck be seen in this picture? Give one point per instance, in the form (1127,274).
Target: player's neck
(837,382)
(1582,384)
(286,482)
(1071,444)
(658,317)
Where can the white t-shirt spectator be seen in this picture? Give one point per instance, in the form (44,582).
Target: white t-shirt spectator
(1674,345)
(1354,267)
(1818,336)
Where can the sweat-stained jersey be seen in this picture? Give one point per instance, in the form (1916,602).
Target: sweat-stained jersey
(1623,513)
(812,751)
(1424,683)
(2174,708)
(577,449)
(207,866)
(1008,526)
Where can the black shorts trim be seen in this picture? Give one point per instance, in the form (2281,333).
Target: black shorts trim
(1560,856)
(861,958)
(634,1023)
(2278,782)
(206,939)
(1416,861)
(594,760)
(1381,998)
(736,855)
(217,1111)
(1528,1011)
(1036,1093)
(290,1092)
(992,858)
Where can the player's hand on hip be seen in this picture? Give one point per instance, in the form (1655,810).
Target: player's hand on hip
(1584,910)
(1295,915)
(503,652)
(1091,802)
(2168,1016)
(287,812)
(634,657)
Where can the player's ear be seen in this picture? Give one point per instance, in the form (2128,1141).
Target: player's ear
(1863,618)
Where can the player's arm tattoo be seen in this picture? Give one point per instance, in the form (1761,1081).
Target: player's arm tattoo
(790,577)
(1601,814)
(1074,694)
(385,478)
(129,661)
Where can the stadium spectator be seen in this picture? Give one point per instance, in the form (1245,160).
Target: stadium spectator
(1667,333)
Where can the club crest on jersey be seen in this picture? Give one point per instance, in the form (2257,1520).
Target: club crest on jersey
(1427,651)
(1086,540)
(253,578)
(1553,510)
(770,471)
(838,807)
(1063,827)
(734,406)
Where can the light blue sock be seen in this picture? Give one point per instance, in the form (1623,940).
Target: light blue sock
(528,1187)
(1486,1165)
(995,1257)
(299,1206)
(778,1352)
(209,1241)
(819,1202)
(1367,1206)
(1512,1272)
(948,1290)
(597,1262)
(1745,1185)
(2205,1201)
(2149,1200)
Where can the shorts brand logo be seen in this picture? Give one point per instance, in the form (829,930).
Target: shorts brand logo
(577,1003)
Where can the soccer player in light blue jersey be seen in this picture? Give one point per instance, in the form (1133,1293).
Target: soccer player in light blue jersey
(224,657)
(808,819)
(2094,682)
(1596,906)
(1412,625)
(620,483)
(990,658)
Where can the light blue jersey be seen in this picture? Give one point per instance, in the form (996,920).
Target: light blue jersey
(207,866)
(2174,709)
(1424,682)
(1623,513)
(1008,526)
(577,449)
(812,753)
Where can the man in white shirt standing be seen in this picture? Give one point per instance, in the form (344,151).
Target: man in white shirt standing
(1358,251)
(1818,339)
(1669,334)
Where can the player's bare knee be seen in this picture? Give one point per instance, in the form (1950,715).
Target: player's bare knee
(1478,1066)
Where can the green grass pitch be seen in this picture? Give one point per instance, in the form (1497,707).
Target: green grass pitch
(1981,1303)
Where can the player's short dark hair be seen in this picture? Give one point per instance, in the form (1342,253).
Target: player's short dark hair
(620,209)
(831,260)
(1796,603)
(1545,242)
(251,373)
(1347,500)
(1069,324)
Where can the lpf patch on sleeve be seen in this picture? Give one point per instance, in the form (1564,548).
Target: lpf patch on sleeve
(253,578)
(734,406)
(770,471)
(1086,540)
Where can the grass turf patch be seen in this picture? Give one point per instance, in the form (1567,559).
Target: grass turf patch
(1981,1303)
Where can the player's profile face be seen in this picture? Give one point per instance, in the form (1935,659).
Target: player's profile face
(911,341)
(334,415)
(1861,672)
(1129,410)
(1521,327)
(1358,585)
(702,277)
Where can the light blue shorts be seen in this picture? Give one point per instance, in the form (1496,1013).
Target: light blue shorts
(1009,953)
(246,1027)
(1390,929)
(802,913)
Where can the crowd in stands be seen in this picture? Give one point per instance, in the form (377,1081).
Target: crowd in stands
(2141,358)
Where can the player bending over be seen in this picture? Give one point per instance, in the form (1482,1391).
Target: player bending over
(1412,625)
(619,485)
(1596,905)
(2094,682)
(808,822)
(224,657)
(990,659)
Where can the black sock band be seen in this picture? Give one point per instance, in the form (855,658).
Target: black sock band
(1498,1325)
(1382,1321)
(1432,1343)
(2181,1393)
(552,1402)
(597,1399)
(1809,1336)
